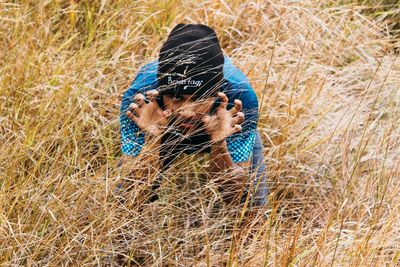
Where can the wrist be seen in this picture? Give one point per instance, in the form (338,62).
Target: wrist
(152,132)
(218,142)
(149,153)
(151,138)
(219,147)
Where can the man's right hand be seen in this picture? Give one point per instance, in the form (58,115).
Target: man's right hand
(148,115)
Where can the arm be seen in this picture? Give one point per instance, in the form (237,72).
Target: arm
(139,140)
(132,138)
(141,119)
(150,119)
(231,176)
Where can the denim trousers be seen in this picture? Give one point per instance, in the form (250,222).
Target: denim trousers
(259,189)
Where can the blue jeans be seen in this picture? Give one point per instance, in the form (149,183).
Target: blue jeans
(259,188)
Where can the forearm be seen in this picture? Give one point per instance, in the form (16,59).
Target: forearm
(231,176)
(146,162)
(220,158)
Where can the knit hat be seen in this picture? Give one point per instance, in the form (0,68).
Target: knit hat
(191,61)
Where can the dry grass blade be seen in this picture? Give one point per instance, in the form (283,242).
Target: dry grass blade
(327,75)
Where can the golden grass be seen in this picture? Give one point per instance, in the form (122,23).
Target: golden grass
(327,77)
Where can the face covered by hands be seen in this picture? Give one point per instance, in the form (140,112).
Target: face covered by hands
(186,113)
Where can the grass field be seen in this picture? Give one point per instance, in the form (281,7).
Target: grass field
(327,75)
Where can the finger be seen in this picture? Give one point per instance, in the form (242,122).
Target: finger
(237,107)
(132,116)
(239,118)
(167,113)
(133,107)
(224,100)
(206,119)
(152,95)
(139,99)
(237,128)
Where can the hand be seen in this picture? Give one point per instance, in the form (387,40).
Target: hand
(225,122)
(148,115)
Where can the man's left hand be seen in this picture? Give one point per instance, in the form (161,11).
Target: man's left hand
(224,122)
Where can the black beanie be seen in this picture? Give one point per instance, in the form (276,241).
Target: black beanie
(191,61)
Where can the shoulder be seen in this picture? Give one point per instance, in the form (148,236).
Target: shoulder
(145,79)
(149,68)
(146,76)
(232,73)
(237,86)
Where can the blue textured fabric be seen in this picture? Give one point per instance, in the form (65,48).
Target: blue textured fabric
(240,145)
(260,189)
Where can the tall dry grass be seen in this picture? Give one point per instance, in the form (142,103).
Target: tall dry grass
(327,77)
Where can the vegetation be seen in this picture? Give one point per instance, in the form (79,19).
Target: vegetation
(327,75)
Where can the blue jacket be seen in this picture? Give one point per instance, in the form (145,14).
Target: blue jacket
(240,145)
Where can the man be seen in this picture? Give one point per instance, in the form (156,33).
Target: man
(193,99)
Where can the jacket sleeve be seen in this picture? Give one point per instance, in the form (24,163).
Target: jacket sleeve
(132,140)
(240,145)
